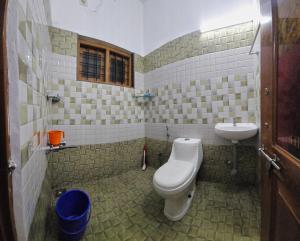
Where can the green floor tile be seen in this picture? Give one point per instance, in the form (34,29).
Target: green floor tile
(126,208)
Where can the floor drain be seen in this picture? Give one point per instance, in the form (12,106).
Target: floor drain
(58,192)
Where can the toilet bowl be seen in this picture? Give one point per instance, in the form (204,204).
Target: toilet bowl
(175,180)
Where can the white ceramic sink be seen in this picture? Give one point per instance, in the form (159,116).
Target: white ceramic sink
(238,132)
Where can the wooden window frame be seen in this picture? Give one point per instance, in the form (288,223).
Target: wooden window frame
(94,43)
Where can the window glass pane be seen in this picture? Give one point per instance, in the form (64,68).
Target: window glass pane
(119,66)
(113,68)
(120,70)
(92,63)
(288,86)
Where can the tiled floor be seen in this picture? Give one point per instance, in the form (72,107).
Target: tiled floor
(126,207)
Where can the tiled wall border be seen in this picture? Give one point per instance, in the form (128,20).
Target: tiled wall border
(187,46)
(33,174)
(91,162)
(39,227)
(63,42)
(100,134)
(216,165)
(197,43)
(205,132)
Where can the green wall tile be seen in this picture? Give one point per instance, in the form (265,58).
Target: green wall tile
(23,114)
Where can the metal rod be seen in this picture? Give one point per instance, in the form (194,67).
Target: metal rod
(269,159)
(254,40)
(234,170)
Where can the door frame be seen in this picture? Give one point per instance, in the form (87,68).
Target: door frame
(267,74)
(269,69)
(7,223)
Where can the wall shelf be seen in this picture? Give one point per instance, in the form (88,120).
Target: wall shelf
(62,146)
(54,98)
(145,96)
(254,43)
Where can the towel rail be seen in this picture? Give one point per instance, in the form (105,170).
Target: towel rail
(254,40)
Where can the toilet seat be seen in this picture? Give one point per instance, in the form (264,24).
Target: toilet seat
(173,174)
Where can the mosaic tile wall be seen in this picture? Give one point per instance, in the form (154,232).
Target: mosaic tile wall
(205,132)
(90,104)
(193,94)
(63,42)
(216,85)
(39,226)
(34,48)
(13,111)
(138,63)
(205,89)
(200,80)
(158,152)
(197,43)
(100,134)
(198,89)
(30,47)
(215,166)
(91,162)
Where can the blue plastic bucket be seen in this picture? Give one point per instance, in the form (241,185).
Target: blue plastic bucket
(73,209)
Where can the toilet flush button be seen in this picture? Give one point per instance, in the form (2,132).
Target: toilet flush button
(186,139)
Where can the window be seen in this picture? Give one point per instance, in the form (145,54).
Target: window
(101,62)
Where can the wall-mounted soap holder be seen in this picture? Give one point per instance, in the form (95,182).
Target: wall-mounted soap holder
(61,146)
(146,96)
(54,98)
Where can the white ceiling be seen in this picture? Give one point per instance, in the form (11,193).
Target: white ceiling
(141,26)
(165,20)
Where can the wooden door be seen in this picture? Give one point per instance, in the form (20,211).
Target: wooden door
(280,121)
(7,226)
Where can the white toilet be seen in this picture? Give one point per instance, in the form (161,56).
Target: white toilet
(175,180)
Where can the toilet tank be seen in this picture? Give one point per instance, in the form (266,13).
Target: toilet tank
(187,149)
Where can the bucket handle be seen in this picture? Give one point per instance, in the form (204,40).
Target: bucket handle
(89,215)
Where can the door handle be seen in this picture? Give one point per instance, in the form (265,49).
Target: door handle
(11,167)
(272,161)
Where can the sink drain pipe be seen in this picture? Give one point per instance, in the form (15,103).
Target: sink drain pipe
(144,163)
(234,169)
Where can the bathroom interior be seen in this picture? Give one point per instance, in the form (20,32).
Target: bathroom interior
(153,109)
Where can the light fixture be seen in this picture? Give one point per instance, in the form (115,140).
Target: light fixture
(264,19)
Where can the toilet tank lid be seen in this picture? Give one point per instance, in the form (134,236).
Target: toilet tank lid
(187,140)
